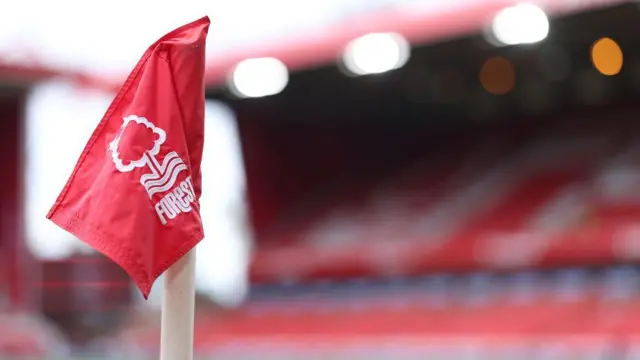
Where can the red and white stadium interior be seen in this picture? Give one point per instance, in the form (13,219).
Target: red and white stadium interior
(479,200)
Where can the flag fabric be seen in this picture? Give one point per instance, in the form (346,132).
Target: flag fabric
(134,193)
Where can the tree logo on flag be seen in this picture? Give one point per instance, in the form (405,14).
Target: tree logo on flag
(137,145)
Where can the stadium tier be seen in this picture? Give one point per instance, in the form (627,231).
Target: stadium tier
(557,195)
(576,312)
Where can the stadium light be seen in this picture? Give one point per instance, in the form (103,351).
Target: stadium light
(607,56)
(259,77)
(520,24)
(376,53)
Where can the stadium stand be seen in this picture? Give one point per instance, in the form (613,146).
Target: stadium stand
(491,207)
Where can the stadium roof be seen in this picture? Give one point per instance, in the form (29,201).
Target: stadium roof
(298,46)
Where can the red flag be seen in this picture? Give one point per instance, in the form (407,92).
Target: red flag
(134,193)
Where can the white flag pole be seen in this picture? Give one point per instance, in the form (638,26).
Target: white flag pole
(178,305)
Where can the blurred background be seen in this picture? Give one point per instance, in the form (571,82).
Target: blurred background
(383,179)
